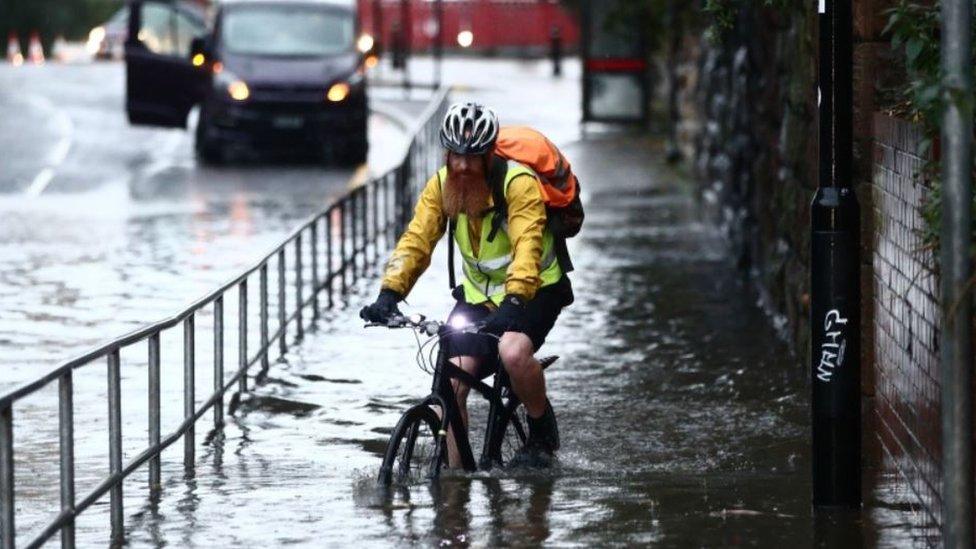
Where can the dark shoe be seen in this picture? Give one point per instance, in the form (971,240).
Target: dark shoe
(543,442)
(534,455)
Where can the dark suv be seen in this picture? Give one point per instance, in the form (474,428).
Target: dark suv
(267,74)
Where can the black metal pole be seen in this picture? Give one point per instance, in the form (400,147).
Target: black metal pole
(438,41)
(405,35)
(956,270)
(379,40)
(835,275)
(556,50)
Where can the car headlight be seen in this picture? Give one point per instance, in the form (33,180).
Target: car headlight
(235,87)
(95,38)
(338,92)
(365,43)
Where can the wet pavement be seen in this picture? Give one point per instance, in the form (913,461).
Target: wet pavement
(105,227)
(684,420)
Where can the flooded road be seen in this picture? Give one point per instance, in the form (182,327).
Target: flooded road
(684,420)
(129,227)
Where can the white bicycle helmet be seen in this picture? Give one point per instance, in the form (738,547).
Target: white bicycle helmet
(469,128)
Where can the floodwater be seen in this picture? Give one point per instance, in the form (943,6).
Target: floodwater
(684,421)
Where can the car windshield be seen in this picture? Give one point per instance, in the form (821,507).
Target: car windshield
(287,30)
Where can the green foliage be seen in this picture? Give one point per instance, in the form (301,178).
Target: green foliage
(914,29)
(69,18)
(722,14)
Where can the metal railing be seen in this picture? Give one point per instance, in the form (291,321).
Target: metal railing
(326,255)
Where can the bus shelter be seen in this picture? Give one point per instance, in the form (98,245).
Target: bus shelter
(616,86)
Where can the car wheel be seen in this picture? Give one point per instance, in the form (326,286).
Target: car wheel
(353,152)
(209,150)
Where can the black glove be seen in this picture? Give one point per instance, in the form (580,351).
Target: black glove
(383,308)
(506,317)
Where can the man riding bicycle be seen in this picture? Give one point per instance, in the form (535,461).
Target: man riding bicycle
(513,282)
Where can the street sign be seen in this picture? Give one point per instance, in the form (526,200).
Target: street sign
(615,67)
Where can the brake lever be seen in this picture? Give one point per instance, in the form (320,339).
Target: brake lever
(474,328)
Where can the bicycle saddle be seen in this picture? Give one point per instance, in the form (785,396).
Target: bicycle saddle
(547,361)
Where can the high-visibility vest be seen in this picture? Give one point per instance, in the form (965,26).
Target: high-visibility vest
(486,271)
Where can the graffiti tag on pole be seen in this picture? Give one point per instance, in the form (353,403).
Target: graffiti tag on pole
(833,347)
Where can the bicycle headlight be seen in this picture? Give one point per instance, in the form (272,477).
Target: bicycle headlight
(458,322)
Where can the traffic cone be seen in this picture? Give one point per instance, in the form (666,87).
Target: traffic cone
(14,56)
(59,50)
(35,51)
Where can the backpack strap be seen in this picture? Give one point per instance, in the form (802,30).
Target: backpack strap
(452,279)
(451,225)
(496,179)
(562,254)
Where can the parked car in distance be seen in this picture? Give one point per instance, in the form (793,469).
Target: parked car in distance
(107,41)
(267,74)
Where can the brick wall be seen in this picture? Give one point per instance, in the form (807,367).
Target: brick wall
(906,319)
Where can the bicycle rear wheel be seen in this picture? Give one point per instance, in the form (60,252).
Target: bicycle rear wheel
(511,432)
(415,452)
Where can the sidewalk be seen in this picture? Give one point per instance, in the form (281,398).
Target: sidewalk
(682,418)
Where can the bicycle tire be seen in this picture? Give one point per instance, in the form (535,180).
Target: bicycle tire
(511,432)
(402,463)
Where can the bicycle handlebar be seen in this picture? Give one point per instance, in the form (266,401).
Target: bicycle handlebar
(420,322)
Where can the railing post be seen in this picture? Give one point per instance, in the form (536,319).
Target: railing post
(403,191)
(7,476)
(219,360)
(364,206)
(264,317)
(375,185)
(282,316)
(66,436)
(314,255)
(154,413)
(189,390)
(364,227)
(386,212)
(328,256)
(354,229)
(343,260)
(115,443)
(299,298)
(242,336)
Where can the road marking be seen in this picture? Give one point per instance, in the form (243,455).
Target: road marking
(58,154)
(40,182)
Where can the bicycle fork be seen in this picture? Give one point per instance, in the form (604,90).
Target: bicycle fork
(451,415)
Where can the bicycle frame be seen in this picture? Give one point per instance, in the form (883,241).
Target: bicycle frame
(442,395)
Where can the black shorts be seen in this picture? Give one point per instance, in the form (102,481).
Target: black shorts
(539,318)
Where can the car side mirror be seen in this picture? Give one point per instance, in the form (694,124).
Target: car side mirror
(199,46)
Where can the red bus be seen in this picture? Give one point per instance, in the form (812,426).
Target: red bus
(502,26)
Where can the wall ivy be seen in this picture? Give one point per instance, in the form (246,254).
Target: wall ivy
(914,28)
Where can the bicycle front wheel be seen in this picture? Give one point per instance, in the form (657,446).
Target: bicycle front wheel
(511,432)
(415,452)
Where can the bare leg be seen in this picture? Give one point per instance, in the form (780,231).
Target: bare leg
(524,371)
(470,365)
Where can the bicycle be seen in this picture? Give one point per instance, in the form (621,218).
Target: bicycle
(418,444)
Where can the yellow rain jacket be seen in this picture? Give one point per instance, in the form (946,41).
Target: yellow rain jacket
(526,228)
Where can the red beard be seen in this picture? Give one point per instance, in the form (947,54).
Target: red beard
(465,194)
